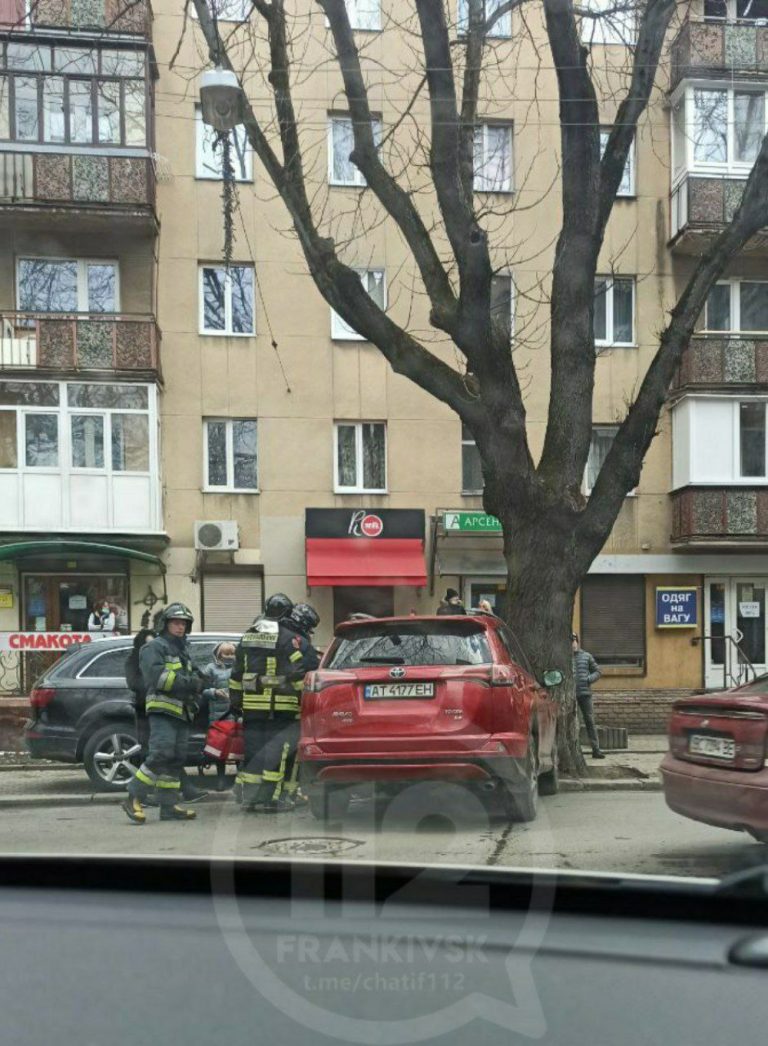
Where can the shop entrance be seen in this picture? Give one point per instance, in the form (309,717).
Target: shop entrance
(376,600)
(735,610)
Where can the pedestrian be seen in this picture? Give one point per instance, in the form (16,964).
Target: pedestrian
(585,673)
(266,683)
(216,691)
(173,690)
(485,607)
(102,617)
(302,620)
(451,604)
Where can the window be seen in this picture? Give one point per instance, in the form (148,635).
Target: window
(67,285)
(87,441)
(226,300)
(501,27)
(421,644)
(228,10)
(614,322)
(471,467)
(752,439)
(751,11)
(107,666)
(493,158)
(611,22)
(737,305)
(73,95)
(360,457)
(130,443)
(341,142)
(210,153)
(374,282)
(602,439)
(725,128)
(41,440)
(364,14)
(503,303)
(613,619)
(230,455)
(627,183)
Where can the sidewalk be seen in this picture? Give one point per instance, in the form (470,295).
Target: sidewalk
(633,769)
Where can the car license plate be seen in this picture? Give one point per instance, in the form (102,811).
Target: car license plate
(378,691)
(715,747)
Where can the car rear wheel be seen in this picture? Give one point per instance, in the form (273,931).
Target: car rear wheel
(522,799)
(111,755)
(549,781)
(329,803)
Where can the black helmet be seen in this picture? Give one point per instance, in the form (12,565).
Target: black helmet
(175,610)
(305,617)
(277,606)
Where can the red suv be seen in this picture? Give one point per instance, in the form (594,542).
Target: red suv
(407,699)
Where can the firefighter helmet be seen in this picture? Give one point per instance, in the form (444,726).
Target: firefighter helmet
(305,617)
(277,606)
(175,610)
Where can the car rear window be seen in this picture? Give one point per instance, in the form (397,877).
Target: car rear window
(420,643)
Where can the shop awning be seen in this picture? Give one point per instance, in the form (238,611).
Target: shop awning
(26,549)
(357,561)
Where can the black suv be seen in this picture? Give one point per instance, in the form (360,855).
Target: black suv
(83,710)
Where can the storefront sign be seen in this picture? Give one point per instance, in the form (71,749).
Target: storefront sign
(48,640)
(364,523)
(6,598)
(463,522)
(677,607)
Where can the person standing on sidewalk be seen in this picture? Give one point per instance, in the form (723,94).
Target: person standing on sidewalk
(585,673)
(173,696)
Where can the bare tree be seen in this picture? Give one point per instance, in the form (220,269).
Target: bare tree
(552,532)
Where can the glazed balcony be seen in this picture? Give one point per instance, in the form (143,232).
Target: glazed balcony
(127,342)
(115,16)
(705,50)
(724,361)
(732,516)
(109,186)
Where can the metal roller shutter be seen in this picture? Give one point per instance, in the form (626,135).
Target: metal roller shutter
(231,601)
(613,618)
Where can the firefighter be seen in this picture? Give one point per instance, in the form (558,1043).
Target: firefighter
(302,620)
(173,695)
(266,683)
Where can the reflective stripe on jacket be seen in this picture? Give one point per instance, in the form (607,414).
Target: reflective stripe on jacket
(172,686)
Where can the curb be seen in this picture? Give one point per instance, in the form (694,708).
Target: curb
(17,768)
(619,784)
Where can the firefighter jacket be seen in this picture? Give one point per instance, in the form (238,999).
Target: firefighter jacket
(269,671)
(173,686)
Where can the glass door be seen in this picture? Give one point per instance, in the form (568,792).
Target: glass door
(736,620)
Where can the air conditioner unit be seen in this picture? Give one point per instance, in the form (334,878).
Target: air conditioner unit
(216,535)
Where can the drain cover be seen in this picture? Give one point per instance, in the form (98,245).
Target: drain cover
(310,845)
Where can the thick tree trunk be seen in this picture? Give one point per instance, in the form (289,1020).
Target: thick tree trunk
(539,610)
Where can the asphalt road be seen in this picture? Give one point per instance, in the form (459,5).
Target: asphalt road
(605,831)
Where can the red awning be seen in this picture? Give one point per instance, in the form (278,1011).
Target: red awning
(359,561)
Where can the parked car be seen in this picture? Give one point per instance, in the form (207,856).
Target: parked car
(715,769)
(397,700)
(82,710)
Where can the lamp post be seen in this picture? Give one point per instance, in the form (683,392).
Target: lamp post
(221,102)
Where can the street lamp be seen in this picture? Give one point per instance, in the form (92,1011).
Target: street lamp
(221,99)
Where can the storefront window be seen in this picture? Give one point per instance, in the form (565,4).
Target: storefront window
(63,602)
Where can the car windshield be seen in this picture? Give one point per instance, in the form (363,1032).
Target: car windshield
(409,644)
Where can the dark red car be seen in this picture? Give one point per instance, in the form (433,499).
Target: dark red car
(715,769)
(397,700)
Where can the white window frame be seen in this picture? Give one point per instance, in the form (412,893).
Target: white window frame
(594,31)
(603,425)
(467,442)
(352,14)
(739,476)
(82,280)
(684,96)
(629,167)
(204,175)
(358,178)
(502,28)
(230,487)
(496,125)
(340,331)
(360,487)
(735,307)
(608,341)
(246,5)
(227,332)
(731,17)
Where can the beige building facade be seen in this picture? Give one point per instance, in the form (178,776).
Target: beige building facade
(170,429)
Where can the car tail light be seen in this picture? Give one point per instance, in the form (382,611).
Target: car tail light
(503,675)
(41,696)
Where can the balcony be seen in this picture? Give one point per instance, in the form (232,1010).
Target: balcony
(719,50)
(114,16)
(734,516)
(104,186)
(86,342)
(714,361)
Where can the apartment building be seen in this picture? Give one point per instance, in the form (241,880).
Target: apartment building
(168,426)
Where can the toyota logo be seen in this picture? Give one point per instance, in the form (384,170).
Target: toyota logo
(397,673)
